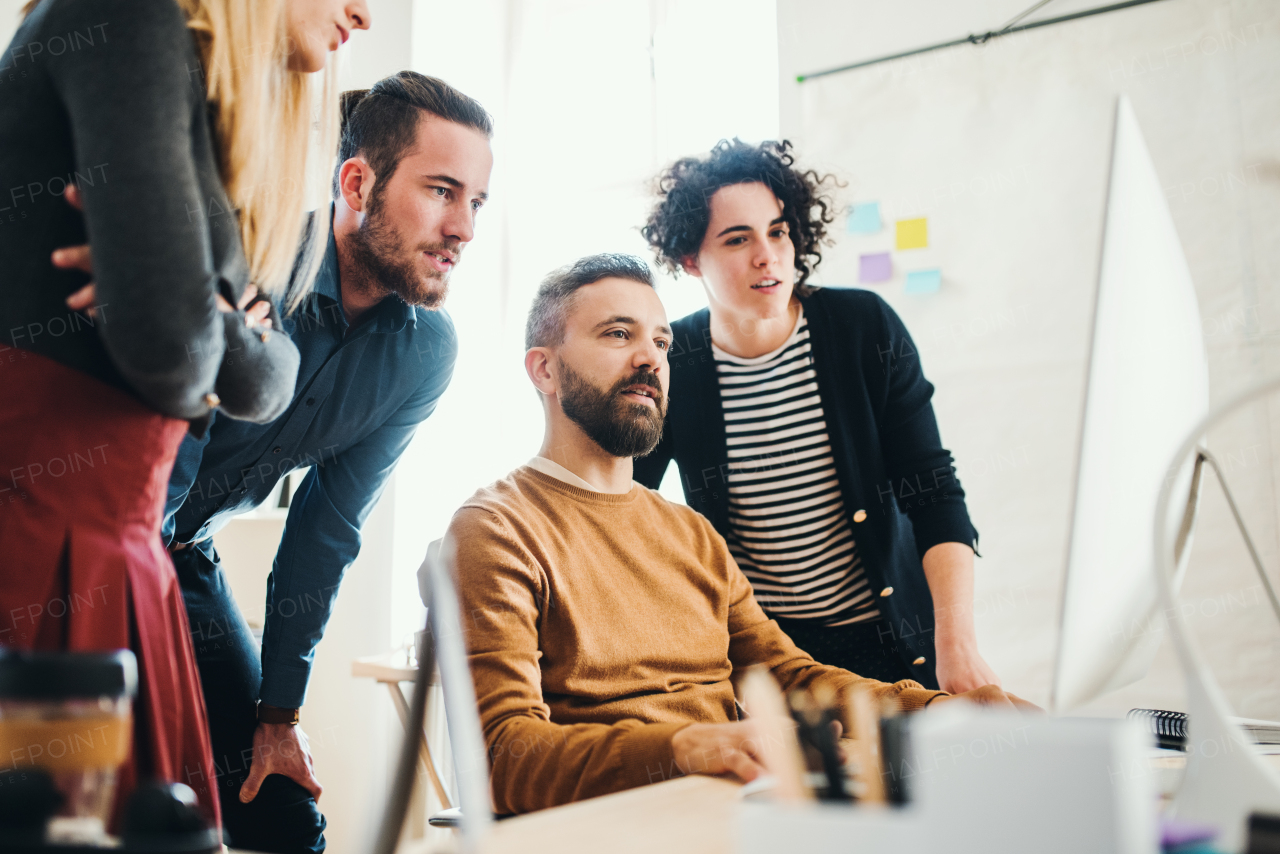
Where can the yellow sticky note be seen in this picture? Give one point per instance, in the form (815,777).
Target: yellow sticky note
(913,233)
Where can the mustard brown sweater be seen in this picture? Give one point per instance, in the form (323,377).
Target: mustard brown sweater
(597,626)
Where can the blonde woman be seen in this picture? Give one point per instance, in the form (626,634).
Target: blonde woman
(183,127)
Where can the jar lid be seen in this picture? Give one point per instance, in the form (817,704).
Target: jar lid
(63,675)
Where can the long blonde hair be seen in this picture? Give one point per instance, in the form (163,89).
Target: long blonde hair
(276,132)
(263,115)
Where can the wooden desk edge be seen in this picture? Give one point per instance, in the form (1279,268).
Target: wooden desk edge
(690,814)
(382,668)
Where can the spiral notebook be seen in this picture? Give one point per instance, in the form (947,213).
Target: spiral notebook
(1170,728)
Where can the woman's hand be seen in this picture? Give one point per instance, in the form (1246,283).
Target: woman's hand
(961,668)
(81,258)
(255,316)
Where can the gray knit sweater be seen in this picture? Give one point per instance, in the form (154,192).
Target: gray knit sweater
(109,94)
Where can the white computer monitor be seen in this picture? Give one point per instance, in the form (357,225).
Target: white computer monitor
(1147,388)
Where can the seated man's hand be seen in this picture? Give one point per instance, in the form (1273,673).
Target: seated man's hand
(719,749)
(991,695)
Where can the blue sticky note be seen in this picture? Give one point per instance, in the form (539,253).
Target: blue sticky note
(864,218)
(876,267)
(924,281)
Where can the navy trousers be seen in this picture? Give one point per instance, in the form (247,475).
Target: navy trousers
(283,818)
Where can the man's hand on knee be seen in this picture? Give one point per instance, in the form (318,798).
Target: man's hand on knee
(280,749)
(719,749)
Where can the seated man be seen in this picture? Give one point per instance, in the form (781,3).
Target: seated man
(605,624)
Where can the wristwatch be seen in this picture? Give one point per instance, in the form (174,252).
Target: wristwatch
(276,715)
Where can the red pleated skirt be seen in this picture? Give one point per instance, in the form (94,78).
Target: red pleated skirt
(83,474)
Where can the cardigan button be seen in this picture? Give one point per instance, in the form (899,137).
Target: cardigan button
(860,516)
(919,660)
(212,400)
(888,591)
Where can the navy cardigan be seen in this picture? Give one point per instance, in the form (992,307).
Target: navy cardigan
(889,458)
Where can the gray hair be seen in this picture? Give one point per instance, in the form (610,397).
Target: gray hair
(555,297)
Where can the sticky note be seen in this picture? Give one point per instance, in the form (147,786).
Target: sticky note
(876,267)
(924,281)
(864,218)
(913,233)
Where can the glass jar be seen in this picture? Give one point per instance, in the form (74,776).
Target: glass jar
(68,715)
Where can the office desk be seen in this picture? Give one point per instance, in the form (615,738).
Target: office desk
(692,815)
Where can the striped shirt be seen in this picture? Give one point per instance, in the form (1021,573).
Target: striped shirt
(788,527)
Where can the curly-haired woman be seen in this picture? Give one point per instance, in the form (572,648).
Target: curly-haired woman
(801,421)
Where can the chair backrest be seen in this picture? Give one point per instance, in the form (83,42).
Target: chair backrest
(470,758)
(443,643)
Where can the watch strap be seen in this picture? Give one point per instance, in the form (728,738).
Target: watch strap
(276,715)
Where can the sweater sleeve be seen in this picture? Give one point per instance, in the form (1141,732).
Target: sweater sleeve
(536,763)
(756,639)
(259,369)
(130,101)
(922,473)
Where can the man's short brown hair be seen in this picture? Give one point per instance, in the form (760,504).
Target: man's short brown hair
(382,123)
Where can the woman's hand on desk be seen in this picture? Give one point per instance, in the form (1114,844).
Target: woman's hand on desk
(719,749)
(991,695)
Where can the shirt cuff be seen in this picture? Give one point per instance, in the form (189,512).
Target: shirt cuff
(947,523)
(645,755)
(282,685)
(912,696)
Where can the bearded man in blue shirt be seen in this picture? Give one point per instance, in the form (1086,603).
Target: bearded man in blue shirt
(377,354)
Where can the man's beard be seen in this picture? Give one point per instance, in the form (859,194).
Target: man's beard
(622,428)
(378,249)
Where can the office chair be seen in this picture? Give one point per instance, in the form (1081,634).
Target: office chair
(443,643)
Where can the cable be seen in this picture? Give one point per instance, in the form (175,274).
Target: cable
(1018,18)
(979,39)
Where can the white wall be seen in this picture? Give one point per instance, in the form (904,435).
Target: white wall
(9,19)
(589,100)
(1006,149)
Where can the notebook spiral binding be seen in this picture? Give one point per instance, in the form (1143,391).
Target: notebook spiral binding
(1169,728)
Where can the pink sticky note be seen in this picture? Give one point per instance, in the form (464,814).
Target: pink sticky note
(876,267)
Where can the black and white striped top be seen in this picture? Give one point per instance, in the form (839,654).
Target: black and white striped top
(788,528)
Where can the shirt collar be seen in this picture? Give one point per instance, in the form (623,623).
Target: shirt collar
(559,472)
(391,315)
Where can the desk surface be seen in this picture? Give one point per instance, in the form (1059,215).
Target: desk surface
(388,667)
(692,815)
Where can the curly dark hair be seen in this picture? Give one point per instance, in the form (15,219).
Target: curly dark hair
(678,223)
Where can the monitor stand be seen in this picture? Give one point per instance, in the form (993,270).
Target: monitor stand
(1225,779)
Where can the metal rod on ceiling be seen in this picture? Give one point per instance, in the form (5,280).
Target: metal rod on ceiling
(977,39)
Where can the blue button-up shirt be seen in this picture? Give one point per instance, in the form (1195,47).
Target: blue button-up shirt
(361,393)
